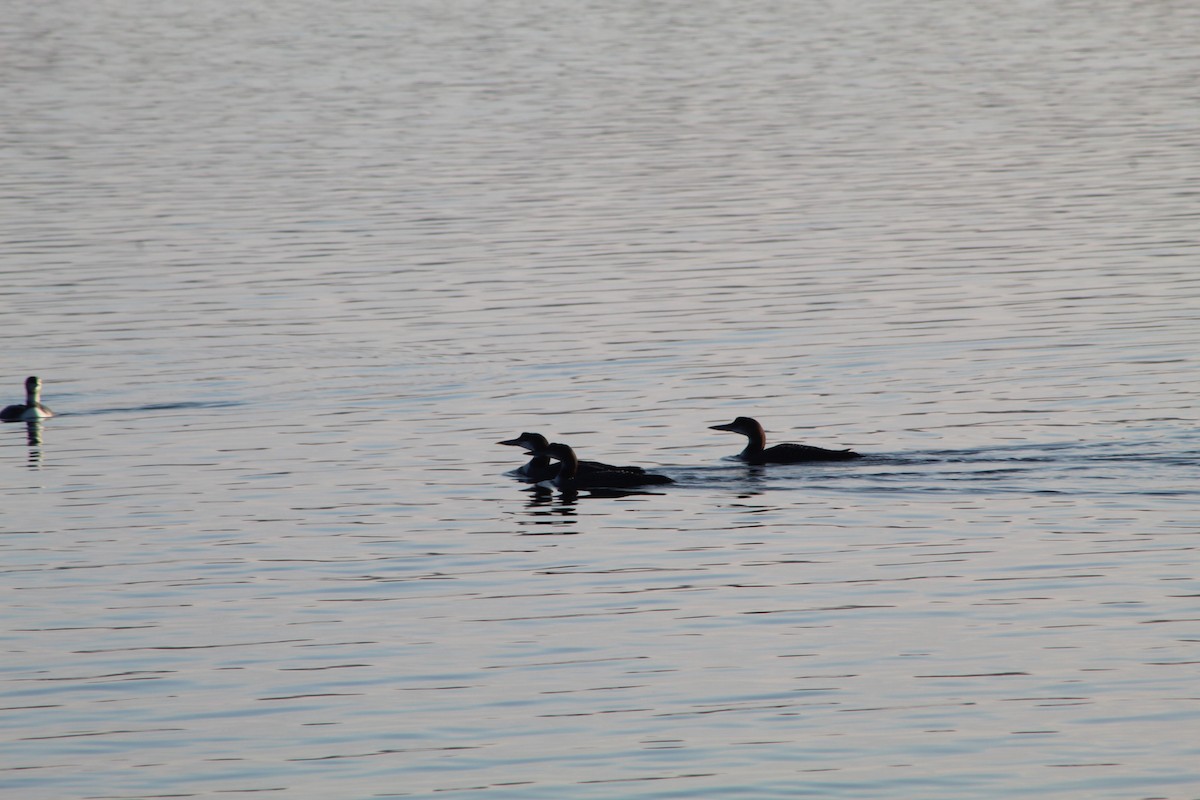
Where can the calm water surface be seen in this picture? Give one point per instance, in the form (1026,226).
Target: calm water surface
(289,270)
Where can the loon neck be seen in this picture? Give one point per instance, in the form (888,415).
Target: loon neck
(569,468)
(756,442)
(538,460)
(750,453)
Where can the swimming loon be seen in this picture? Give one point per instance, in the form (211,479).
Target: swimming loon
(755,453)
(539,467)
(569,477)
(32,407)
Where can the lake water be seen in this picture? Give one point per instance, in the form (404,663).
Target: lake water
(289,270)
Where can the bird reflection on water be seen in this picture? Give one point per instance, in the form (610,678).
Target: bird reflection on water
(33,439)
(33,432)
(550,514)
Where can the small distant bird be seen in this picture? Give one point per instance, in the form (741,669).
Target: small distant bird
(757,453)
(32,408)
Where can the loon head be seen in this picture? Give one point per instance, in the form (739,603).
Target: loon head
(743,425)
(534,443)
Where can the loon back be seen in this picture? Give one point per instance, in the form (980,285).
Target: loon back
(798,453)
(572,475)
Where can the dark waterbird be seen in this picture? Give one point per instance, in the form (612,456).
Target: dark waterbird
(32,408)
(756,451)
(539,468)
(570,477)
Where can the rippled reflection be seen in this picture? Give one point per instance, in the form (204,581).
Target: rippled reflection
(33,434)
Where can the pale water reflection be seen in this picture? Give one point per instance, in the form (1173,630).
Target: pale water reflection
(289,273)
